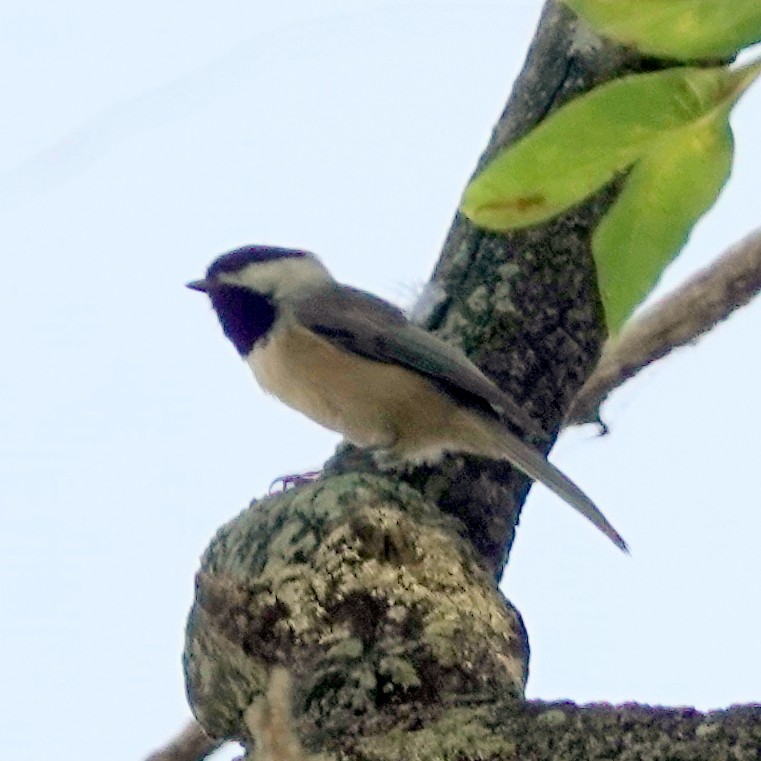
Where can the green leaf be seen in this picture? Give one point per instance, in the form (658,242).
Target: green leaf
(684,29)
(594,138)
(666,193)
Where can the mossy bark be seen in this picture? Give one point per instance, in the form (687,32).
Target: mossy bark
(366,594)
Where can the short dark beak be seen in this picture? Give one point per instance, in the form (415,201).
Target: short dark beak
(198,285)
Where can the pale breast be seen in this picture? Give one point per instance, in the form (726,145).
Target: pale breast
(373,404)
(325,383)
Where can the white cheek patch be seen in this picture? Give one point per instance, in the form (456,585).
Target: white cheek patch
(280,277)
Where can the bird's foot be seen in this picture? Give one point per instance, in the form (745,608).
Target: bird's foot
(293,480)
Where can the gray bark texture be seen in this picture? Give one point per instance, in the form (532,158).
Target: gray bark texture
(358,617)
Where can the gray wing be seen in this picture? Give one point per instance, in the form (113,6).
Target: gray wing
(362,323)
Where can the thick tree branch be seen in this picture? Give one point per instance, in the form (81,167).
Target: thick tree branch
(365,593)
(396,645)
(507,731)
(676,320)
(524,305)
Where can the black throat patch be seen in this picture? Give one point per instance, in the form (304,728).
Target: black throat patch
(245,316)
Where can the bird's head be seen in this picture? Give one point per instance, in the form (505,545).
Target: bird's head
(249,285)
(270,271)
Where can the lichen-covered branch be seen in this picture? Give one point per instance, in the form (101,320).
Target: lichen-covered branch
(508,731)
(366,594)
(679,318)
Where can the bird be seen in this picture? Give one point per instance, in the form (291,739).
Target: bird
(356,364)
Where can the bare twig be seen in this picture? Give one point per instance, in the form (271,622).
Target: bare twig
(679,318)
(191,744)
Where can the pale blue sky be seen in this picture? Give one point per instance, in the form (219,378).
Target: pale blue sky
(143,138)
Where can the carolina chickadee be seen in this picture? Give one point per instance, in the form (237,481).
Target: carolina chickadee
(355,364)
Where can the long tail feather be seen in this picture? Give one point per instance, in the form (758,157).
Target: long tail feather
(536,466)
